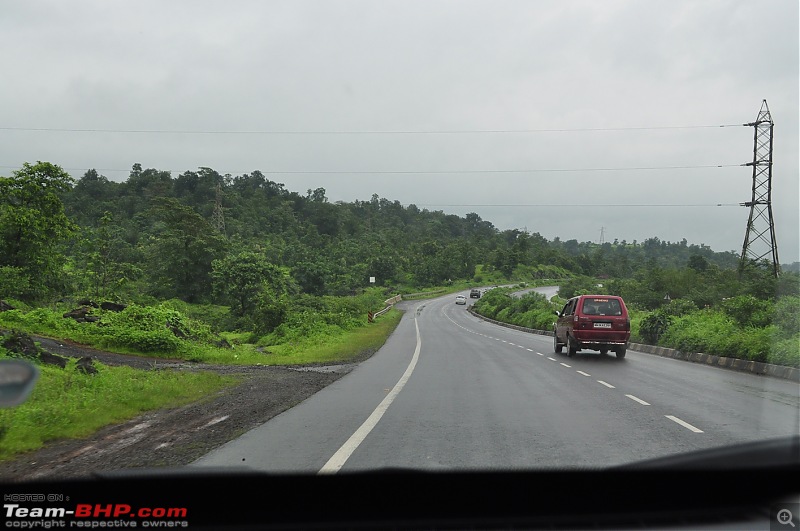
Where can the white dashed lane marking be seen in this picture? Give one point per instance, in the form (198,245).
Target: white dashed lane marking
(632,397)
(642,402)
(684,424)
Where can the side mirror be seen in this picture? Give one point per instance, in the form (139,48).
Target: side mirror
(17,378)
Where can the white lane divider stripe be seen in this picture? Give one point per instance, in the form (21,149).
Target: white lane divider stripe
(416,354)
(684,424)
(642,402)
(337,461)
(567,366)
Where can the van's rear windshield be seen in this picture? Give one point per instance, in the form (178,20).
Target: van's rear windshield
(601,306)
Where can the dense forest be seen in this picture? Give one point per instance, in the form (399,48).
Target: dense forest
(250,244)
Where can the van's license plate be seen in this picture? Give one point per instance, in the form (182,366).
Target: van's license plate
(602,325)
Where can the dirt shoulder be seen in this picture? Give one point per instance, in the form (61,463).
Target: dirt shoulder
(177,436)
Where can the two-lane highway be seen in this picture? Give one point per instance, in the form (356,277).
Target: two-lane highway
(451,391)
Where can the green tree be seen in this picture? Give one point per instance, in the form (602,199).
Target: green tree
(13,282)
(181,249)
(103,270)
(238,277)
(312,276)
(33,224)
(274,299)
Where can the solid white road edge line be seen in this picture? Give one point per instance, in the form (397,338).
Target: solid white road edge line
(337,461)
(684,424)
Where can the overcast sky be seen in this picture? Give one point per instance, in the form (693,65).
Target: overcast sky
(420,84)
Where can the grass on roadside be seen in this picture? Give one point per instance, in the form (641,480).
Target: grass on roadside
(343,347)
(339,348)
(67,404)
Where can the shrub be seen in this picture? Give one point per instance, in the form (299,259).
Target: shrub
(532,310)
(748,310)
(218,318)
(679,307)
(152,341)
(697,331)
(786,351)
(151,328)
(653,326)
(787,315)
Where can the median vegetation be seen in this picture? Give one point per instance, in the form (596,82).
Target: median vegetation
(531,310)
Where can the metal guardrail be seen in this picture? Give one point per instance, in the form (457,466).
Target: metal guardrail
(422,294)
(389,303)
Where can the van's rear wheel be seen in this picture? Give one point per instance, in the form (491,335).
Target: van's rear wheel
(558,347)
(621,352)
(571,347)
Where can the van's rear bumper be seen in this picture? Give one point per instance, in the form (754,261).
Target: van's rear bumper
(584,343)
(589,338)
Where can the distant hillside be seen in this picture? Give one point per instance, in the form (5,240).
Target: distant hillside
(155,235)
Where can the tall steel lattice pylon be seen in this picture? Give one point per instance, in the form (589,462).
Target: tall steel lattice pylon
(218,215)
(760,246)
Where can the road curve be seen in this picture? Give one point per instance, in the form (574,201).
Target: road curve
(479,396)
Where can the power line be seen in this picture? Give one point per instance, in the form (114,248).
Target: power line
(361,132)
(586,205)
(429,172)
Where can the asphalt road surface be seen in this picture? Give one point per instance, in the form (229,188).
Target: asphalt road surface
(450,391)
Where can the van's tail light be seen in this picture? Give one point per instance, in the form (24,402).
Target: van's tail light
(628,323)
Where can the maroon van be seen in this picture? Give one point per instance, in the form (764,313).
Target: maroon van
(593,322)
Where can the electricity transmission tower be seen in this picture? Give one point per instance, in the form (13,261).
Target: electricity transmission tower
(218,217)
(759,238)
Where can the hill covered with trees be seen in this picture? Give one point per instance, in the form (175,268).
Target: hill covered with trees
(250,244)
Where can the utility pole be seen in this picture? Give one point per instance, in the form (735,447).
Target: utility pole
(759,238)
(602,235)
(218,216)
